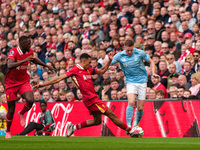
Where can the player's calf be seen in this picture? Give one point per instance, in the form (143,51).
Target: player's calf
(22,119)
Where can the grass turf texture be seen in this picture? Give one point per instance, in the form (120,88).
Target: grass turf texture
(98,143)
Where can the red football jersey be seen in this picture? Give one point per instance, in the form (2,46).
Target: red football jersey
(19,75)
(83,80)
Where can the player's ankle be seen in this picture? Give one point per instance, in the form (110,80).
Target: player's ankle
(74,128)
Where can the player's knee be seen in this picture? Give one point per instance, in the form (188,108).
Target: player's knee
(11,112)
(131,104)
(30,101)
(140,108)
(98,121)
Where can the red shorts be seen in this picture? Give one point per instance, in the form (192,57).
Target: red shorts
(11,93)
(98,107)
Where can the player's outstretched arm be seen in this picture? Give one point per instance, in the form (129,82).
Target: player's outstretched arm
(52,81)
(104,68)
(153,67)
(39,62)
(12,64)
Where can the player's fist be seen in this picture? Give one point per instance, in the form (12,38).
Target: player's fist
(110,55)
(156,76)
(52,69)
(29,58)
(35,87)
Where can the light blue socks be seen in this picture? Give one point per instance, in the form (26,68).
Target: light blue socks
(129,115)
(138,118)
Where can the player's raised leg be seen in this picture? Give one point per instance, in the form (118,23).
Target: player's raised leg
(91,122)
(29,97)
(130,108)
(109,113)
(9,117)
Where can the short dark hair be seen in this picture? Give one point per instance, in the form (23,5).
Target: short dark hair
(196,52)
(106,82)
(23,38)
(148,48)
(161,92)
(84,56)
(94,58)
(35,74)
(181,87)
(114,80)
(155,55)
(43,102)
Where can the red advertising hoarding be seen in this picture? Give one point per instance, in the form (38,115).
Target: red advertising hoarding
(160,119)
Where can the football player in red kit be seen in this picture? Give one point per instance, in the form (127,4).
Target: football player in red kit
(81,74)
(17,80)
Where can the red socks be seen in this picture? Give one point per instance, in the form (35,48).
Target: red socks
(9,119)
(26,108)
(125,127)
(81,125)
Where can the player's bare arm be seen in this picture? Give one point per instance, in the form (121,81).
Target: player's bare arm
(12,64)
(104,68)
(153,67)
(39,62)
(52,81)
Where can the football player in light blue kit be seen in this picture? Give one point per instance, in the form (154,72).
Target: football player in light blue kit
(131,62)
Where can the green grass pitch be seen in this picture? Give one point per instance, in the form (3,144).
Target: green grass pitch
(98,143)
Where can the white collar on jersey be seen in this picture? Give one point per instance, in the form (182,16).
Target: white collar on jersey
(79,66)
(19,50)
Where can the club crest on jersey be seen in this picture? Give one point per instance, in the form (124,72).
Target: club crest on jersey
(11,53)
(123,59)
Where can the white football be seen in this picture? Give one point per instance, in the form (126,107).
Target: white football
(138,132)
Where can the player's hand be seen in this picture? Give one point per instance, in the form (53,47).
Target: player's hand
(35,87)
(110,55)
(52,69)
(29,58)
(156,76)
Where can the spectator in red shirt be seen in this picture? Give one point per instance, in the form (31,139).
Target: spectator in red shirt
(163,72)
(124,23)
(158,85)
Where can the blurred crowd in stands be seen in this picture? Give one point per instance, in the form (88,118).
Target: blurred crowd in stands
(61,30)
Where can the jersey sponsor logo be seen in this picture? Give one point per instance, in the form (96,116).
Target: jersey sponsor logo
(11,53)
(21,67)
(89,76)
(7,96)
(84,77)
(131,64)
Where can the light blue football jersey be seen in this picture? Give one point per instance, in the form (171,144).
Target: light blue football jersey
(133,66)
